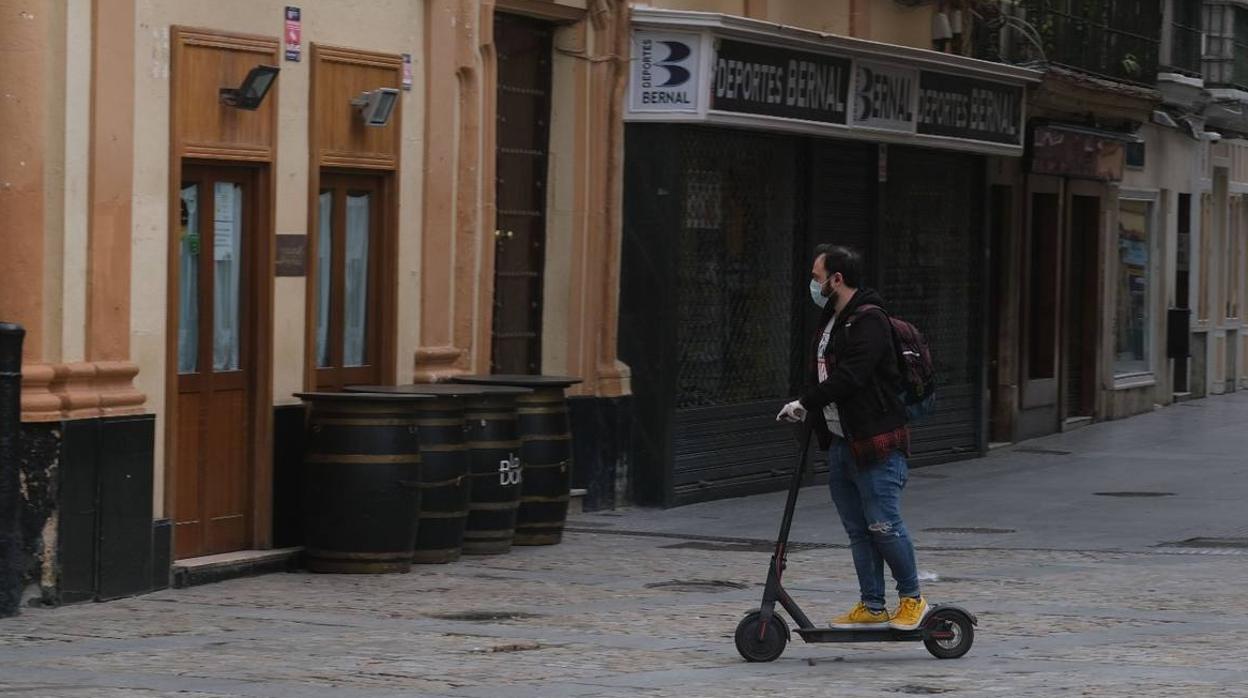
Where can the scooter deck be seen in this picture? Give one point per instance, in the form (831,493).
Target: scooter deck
(860,635)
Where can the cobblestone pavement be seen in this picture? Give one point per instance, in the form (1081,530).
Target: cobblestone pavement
(618,615)
(620,611)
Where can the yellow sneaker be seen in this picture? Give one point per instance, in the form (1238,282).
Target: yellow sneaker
(909,614)
(862,617)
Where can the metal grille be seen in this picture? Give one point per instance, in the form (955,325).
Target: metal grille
(734,267)
(1118,39)
(931,269)
(931,257)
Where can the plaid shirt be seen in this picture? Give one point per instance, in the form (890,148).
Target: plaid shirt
(871,451)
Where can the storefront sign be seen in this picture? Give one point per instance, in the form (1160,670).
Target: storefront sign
(1075,154)
(884,96)
(665,72)
(960,107)
(702,69)
(757,79)
(294,33)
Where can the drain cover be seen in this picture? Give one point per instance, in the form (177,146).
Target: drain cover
(1209,543)
(697,585)
(954,530)
(922,690)
(1134,494)
(1043,451)
(723,547)
(485,616)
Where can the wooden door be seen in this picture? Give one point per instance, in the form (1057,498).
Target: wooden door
(1001,383)
(1041,299)
(348,298)
(216,287)
(523,134)
(1081,301)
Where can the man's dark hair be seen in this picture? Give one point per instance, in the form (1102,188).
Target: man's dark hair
(845,260)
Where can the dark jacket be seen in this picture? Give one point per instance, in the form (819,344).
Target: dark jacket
(863,378)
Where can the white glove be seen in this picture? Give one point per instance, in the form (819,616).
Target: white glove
(792,412)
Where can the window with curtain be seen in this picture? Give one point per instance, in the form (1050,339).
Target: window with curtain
(355,280)
(188,282)
(227,272)
(324,279)
(344,296)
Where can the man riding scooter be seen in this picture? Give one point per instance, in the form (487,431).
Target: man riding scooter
(861,422)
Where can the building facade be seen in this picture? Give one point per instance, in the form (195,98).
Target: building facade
(208,208)
(211,207)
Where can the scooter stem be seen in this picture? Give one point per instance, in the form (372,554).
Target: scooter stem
(773,590)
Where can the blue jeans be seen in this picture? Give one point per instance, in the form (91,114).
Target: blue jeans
(869,502)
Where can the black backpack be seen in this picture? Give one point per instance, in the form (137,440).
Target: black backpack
(914,362)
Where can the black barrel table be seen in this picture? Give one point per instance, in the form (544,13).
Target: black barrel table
(361,484)
(446,464)
(545,450)
(493,434)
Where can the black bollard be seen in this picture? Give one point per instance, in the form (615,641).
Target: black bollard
(11,337)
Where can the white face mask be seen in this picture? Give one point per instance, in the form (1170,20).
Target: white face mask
(816,293)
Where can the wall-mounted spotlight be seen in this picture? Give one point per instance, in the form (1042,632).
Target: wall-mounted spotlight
(377,105)
(251,93)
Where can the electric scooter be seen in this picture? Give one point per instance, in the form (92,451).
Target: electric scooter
(946,631)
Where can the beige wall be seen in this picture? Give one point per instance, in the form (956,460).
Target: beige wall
(1170,169)
(393,26)
(877,20)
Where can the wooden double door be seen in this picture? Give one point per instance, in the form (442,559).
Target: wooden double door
(214,291)
(1060,305)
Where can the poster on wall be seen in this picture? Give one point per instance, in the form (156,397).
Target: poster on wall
(294,33)
(664,72)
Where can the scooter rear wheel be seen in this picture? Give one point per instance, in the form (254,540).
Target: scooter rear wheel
(960,634)
(767,647)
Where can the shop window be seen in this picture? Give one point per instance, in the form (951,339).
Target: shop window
(1132,321)
(346,299)
(1042,294)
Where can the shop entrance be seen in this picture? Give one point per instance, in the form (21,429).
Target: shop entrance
(215,296)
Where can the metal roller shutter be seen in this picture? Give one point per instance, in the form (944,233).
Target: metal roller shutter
(931,261)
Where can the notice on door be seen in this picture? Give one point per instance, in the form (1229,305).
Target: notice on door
(665,72)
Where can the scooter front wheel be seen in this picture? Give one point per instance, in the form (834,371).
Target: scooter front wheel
(951,634)
(765,646)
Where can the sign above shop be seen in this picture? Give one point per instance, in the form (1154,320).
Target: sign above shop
(884,96)
(1075,153)
(959,107)
(665,75)
(852,90)
(757,79)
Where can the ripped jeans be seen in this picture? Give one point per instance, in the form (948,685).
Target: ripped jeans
(869,503)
